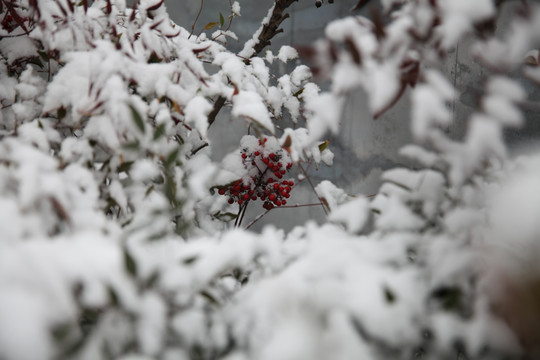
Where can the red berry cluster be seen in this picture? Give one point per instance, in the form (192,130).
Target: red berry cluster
(266,169)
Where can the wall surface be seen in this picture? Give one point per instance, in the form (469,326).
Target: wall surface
(365,147)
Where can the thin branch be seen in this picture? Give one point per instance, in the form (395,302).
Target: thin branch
(257,219)
(215,110)
(267,32)
(313,188)
(196,19)
(241,213)
(270,29)
(281,207)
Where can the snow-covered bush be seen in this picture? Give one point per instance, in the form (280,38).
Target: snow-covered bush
(117,234)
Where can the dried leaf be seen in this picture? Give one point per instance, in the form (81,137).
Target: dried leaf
(210,25)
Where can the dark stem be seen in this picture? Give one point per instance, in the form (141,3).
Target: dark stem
(268,31)
(196,19)
(313,188)
(241,213)
(281,207)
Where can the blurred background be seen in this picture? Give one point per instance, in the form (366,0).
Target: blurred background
(365,147)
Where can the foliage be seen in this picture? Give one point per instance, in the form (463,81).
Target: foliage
(117,244)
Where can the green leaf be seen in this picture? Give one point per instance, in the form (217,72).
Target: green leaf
(129,263)
(225,217)
(210,25)
(160,130)
(450,297)
(171,158)
(149,190)
(113,298)
(209,297)
(132,145)
(152,280)
(221,20)
(125,166)
(389,295)
(190,260)
(61,332)
(137,118)
(324,145)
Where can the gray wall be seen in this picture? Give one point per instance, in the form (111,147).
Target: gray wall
(364,147)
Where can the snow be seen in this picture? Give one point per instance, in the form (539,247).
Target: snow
(102,211)
(248,51)
(235,9)
(196,113)
(327,111)
(352,214)
(249,104)
(429,109)
(460,15)
(14,48)
(384,86)
(287,53)
(503,110)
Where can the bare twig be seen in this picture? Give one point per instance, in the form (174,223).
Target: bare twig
(281,207)
(313,188)
(196,19)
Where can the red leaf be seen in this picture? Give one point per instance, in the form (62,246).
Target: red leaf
(18,19)
(155,7)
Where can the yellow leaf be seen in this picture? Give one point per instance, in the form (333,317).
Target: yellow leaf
(210,25)
(324,145)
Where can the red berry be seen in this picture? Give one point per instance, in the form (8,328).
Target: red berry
(254,198)
(240,201)
(278,202)
(283,172)
(244,156)
(289,165)
(231,200)
(283,202)
(287,195)
(276,186)
(265,160)
(291,183)
(284,193)
(278,175)
(272,197)
(272,156)
(221,191)
(270,180)
(279,164)
(246,196)
(256,153)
